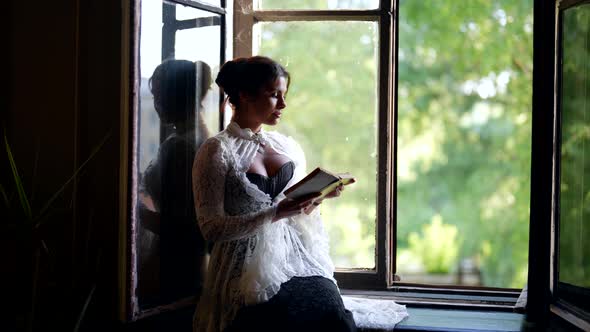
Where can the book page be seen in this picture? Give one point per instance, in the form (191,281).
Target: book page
(313,185)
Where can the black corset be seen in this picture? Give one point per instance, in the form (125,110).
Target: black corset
(273,185)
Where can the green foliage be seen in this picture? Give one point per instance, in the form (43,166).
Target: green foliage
(24,201)
(22,223)
(336,91)
(24,214)
(436,246)
(463,127)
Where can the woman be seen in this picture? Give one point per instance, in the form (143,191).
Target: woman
(172,251)
(270,268)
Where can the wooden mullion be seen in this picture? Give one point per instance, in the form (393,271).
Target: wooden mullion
(385,209)
(169,27)
(542,163)
(564,4)
(316,15)
(358,280)
(243,23)
(386,222)
(222,58)
(554,248)
(392,161)
(129,95)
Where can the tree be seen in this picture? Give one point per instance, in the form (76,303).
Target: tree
(463,131)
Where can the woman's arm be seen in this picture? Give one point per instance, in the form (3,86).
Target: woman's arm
(209,175)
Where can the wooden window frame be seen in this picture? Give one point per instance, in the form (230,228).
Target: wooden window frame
(129,310)
(245,18)
(169,29)
(567,301)
(383,277)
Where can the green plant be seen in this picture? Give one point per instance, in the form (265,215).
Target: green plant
(437,246)
(23,221)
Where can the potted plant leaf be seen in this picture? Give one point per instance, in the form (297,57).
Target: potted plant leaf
(24,224)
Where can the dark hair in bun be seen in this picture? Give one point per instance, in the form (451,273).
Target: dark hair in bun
(178,87)
(249,75)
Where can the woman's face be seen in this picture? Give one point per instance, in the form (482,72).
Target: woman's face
(266,107)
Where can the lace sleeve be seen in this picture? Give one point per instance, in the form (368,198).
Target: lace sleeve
(310,227)
(209,175)
(314,238)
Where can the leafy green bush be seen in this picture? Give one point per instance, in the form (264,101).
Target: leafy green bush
(437,246)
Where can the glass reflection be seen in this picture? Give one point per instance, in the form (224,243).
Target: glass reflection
(168,217)
(574,230)
(178,112)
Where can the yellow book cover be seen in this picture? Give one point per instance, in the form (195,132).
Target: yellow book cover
(318,181)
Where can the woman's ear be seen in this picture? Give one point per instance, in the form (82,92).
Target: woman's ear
(245,97)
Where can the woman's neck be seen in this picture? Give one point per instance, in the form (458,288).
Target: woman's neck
(244,123)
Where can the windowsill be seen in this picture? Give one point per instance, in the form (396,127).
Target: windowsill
(424,319)
(567,314)
(445,312)
(492,302)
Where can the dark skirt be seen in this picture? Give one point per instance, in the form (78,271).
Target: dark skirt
(302,304)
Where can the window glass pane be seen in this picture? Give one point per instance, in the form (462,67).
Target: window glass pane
(463,141)
(574,212)
(189,45)
(331,111)
(318,4)
(178,110)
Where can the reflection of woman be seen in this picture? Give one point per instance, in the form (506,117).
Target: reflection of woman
(178,87)
(270,269)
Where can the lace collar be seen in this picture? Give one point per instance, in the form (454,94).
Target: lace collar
(246,133)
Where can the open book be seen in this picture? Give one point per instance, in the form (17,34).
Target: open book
(318,181)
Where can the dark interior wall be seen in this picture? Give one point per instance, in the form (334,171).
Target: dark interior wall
(63,100)
(41,76)
(40,125)
(100,119)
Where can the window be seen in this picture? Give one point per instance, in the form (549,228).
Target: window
(463,142)
(181,45)
(336,85)
(408,59)
(572,188)
(557,243)
(431,112)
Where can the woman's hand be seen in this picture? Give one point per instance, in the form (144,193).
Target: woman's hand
(292,207)
(314,204)
(335,193)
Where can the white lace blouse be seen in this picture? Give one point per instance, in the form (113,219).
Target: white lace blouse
(252,256)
